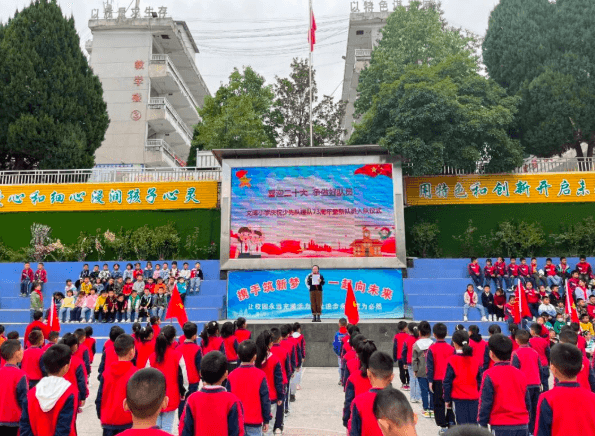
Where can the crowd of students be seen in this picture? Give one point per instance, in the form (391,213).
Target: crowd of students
(133,294)
(247,385)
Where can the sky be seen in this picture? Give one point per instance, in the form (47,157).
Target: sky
(265,34)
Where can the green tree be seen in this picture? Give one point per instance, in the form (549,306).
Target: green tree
(52,113)
(443,114)
(240,115)
(292,100)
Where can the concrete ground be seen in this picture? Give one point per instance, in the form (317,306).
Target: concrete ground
(318,410)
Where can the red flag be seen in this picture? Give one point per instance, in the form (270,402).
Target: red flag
(570,306)
(351,311)
(522,306)
(374,170)
(53,321)
(176,308)
(312,31)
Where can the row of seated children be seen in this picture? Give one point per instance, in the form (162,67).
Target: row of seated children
(507,276)
(30,278)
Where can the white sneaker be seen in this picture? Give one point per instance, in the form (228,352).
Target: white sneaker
(465,319)
(484,319)
(480,288)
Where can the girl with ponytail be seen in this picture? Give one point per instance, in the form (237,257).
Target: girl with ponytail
(513,328)
(406,355)
(478,344)
(171,363)
(271,366)
(145,346)
(351,362)
(462,380)
(241,333)
(358,382)
(211,340)
(419,366)
(230,342)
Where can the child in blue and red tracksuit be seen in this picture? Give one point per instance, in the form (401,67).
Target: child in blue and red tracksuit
(438,354)
(489,273)
(212,410)
(77,373)
(358,382)
(407,355)
(462,380)
(283,355)
(271,366)
(504,401)
(527,360)
(542,346)
(501,273)
(524,272)
(250,385)
(567,409)
(51,407)
(112,388)
(398,342)
(31,363)
(474,271)
(14,387)
(192,354)
(145,399)
(513,274)
(584,269)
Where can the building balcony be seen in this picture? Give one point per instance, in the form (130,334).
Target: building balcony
(165,121)
(167,80)
(160,154)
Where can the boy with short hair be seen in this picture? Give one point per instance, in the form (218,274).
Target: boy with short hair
(192,354)
(212,410)
(139,284)
(586,325)
(31,359)
(524,272)
(504,400)
(52,340)
(542,346)
(337,344)
(398,342)
(527,360)
(249,384)
(51,407)
(145,399)
(100,307)
(394,413)
(110,307)
(436,360)
(83,352)
(513,274)
(27,277)
(474,271)
(132,308)
(586,377)
(567,409)
(14,387)
(144,306)
(584,269)
(380,373)
(105,274)
(112,388)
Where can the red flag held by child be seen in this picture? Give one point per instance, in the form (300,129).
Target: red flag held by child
(570,306)
(522,306)
(53,320)
(176,308)
(351,311)
(312,32)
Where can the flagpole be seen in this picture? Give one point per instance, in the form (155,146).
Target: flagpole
(310,70)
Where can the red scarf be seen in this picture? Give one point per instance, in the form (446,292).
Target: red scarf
(343,330)
(470,296)
(39,293)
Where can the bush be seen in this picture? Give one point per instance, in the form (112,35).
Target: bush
(165,243)
(575,239)
(466,240)
(424,240)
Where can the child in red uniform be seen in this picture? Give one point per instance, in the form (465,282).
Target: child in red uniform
(487,362)
(37,322)
(394,413)
(192,355)
(14,387)
(241,333)
(285,359)
(250,385)
(300,342)
(31,363)
(358,382)
(112,389)
(50,407)
(231,345)
(438,355)
(145,399)
(567,409)
(585,378)
(527,360)
(542,346)
(90,342)
(52,340)
(362,421)
(398,342)
(478,344)
(212,410)
(271,366)
(407,354)
(77,373)
(504,401)
(462,380)
(108,355)
(350,356)
(290,345)
(211,340)
(82,351)
(145,346)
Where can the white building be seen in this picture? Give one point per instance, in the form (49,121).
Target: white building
(151,85)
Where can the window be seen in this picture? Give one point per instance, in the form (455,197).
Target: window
(359,32)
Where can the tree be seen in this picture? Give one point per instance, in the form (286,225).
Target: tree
(443,114)
(52,113)
(412,36)
(292,100)
(240,115)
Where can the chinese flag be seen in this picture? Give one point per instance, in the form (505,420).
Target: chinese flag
(176,308)
(570,307)
(312,31)
(374,170)
(351,311)
(522,306)
(53,321)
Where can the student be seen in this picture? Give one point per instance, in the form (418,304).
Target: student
(437,356)
(171,363)
(241,333)
(133,306)
(358,382)
(100,307)
(586,325)
(164,272)
(295,360)
(513,274)
(52,340)
(112,389)
(2,335)
(487,362)
(478,344)
(501,275)
(415,392)
(584,269)
(285,360)
(77,373)
(79,303)
(271,366)
(192,355)
(82,350)
(547,307)
(472,301)
(27,277)
(160,303)
(300,341)
(196,278)
(398,342)
(36,301)
(211,341)
(14,387)
(108,355)
(394,413)
(542,346)
(145,345)
(419,365)
(527,360)
(509,309)
(90,342)
(489,273)
(351,362)
(155,322)
(337,345)
(174,272)
(524,272)
(504,400)
(231,345)
(250,385)
(145,399)
(568,408)
(474,271)
(144,306)
(586,377)
(50,408)
(212,410)
(31,358)
(462,380)
(487,301)
(362,421)
(37,323)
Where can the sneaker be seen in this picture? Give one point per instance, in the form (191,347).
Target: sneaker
(465,319)
(291,398)
(484,319)
(427,414)
(442,431)
(432,413)
(405,388)
(480,288)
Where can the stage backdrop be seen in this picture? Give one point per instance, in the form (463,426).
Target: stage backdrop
(285,294)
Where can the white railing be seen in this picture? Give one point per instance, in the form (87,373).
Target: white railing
(363,52)
(107,175)
(164,147)
(162,103)
(164,59)
(205,159)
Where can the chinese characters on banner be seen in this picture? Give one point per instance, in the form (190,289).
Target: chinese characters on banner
(501,188)
(108,196)
(285,294)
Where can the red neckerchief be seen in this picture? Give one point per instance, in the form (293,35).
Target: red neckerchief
(470,296)
(39,293)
